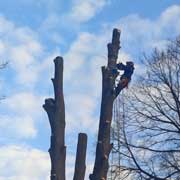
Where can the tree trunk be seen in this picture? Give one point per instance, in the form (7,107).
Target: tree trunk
(55,109)
(80,166)
(104,147)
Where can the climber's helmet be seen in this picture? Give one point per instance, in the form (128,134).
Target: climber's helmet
(130,63)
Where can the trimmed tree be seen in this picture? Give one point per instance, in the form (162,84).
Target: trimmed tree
(104,146)
(55,109)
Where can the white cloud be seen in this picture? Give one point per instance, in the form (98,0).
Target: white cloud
(142,34)
(78,53)
(87,53)
(23,163)
(80,110)
(24,103)
(50,22)
(23,109)
(82,11)
(170,18)
(55,24)
(5,26)
(79,12)
(21,47)
(17,127)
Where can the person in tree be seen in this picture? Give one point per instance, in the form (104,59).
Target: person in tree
(128,71)
(126,76)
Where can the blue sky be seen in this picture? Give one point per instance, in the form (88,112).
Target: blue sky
(32,34)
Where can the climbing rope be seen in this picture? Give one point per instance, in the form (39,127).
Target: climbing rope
(118,117)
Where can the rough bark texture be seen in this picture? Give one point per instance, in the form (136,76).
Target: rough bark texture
(56,113)
(104,147)
(80,166)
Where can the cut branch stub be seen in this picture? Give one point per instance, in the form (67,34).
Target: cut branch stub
(80,165)
(55,109)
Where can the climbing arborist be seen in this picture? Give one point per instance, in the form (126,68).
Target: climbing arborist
(128,71)
(126,76)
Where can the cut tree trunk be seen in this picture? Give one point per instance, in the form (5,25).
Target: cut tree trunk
(104,147)
(55,109)
(80,165)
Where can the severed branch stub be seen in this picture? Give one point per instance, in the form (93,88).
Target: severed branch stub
(104,146)
(55,109)
(80,165)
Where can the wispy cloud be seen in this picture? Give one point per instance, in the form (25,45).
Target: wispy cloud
(142,34)
(82,11)
(14,127)
(80,117)
(19,46)
(24,103)
(23,109)
(24,163)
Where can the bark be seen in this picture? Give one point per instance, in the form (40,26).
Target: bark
(104,147)
(55,109)
(80,166)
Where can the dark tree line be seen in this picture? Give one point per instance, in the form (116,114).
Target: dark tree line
(150,122)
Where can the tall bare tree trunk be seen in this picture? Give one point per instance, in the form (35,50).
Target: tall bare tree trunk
(104,147)
(80,165)
(55,109)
